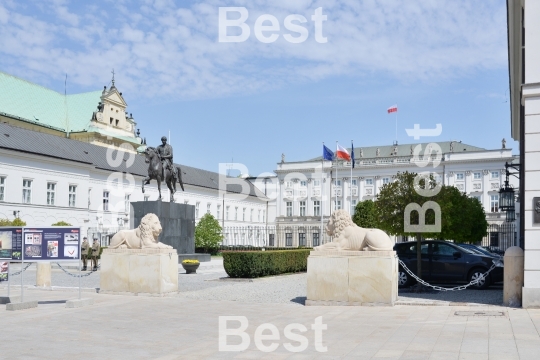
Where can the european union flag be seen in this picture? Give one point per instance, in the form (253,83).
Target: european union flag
(352,154)
(327,154)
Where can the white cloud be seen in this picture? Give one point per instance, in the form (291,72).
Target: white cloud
(161,49)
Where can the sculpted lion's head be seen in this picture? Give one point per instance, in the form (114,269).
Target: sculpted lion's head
(150,228)
(339,220)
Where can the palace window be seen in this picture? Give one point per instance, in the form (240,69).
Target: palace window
(369,181)
(244,214)
(270,239)
(353,206)
(264,215)
(459,176)
(288,239)
(72,189)
(2,187)
(477,197)
(353,182)
(495,203)
(316,208)
(316,239)
(126,203)
(289,208)
(477,176)
(218,213)
(89,197)
(251,215)
(494,174)
(105,201)
(236,213)
(385,180)
(51,190)
(316,183)
(197,205)
(208,208)
(303,183)
(227,212)
(301,239)
(289,184)
(302,208)
(337,204)
(27,191)
(259,216)
(337,182)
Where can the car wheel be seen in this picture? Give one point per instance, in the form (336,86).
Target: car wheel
(482,284)
(404,279)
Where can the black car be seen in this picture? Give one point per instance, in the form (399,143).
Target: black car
(480,250)
(445,262)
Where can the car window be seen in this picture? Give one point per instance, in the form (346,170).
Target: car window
(424,249)
(411,249)
(443,249)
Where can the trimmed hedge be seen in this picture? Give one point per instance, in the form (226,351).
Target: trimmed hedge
(252,264)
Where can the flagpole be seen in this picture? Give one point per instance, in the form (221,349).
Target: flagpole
(396,125)
(350,179)
(337,164)
(322,198)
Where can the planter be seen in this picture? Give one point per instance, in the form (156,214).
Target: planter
(190,268)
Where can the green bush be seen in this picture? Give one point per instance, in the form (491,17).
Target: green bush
(15,222)
(252,264)
(208,235)
(61,223)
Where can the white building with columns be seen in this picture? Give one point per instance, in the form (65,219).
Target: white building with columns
(310,190)
(524,71)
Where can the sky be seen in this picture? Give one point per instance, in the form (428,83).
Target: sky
(441,61)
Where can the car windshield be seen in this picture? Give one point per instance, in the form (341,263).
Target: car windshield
(467,249)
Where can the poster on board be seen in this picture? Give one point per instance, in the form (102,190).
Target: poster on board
(51,243)
(11,243)
(4,266)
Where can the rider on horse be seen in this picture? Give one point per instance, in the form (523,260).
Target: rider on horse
(165,152)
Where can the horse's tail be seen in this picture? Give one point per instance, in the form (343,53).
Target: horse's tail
(179,172)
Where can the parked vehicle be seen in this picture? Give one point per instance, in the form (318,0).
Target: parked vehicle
(480,250)
(445,262)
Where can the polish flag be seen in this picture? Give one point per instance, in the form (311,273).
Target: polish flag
(342,153)
(392,109)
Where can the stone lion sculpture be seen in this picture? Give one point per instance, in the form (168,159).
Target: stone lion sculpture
(349,236)
(145,236)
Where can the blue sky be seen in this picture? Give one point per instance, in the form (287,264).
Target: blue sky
(441,61)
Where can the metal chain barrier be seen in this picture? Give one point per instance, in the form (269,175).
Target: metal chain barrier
(18,272)
(462,287)
(76,276)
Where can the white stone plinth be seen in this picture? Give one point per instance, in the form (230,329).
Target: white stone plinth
(352,278)
(43,274)
(141,272)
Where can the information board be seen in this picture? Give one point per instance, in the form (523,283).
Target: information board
(11,243)
(51,243)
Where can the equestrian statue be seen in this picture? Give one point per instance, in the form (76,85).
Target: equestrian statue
(161,167)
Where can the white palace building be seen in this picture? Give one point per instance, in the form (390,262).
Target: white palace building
(59,161)
(311,188)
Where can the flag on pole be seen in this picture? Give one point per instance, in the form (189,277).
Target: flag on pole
(327,154)
(342,153)
(392,109)
(352,154)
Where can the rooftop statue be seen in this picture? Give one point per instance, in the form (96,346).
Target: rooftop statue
(349,236)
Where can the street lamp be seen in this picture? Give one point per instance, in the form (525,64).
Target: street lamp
(507,198)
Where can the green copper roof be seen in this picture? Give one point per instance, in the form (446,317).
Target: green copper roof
(37,104)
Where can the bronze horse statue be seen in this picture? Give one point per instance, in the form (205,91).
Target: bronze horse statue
(158,173)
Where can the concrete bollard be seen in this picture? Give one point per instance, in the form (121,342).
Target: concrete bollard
(513,276)
(43,274)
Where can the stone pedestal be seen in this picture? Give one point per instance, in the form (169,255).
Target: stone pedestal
(352,278)
(177,222)
(513,276)
(43,274)
(139,272)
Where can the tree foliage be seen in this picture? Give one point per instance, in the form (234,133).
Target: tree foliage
(208,234)
(462,218)
(364,214)
(61,223)
(14,222)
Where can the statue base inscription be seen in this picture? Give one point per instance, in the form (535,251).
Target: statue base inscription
(352,278)
(152,272)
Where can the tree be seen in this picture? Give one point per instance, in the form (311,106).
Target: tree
(61,223)
(364,214)
(208,234)
(14,222)
(462,218)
